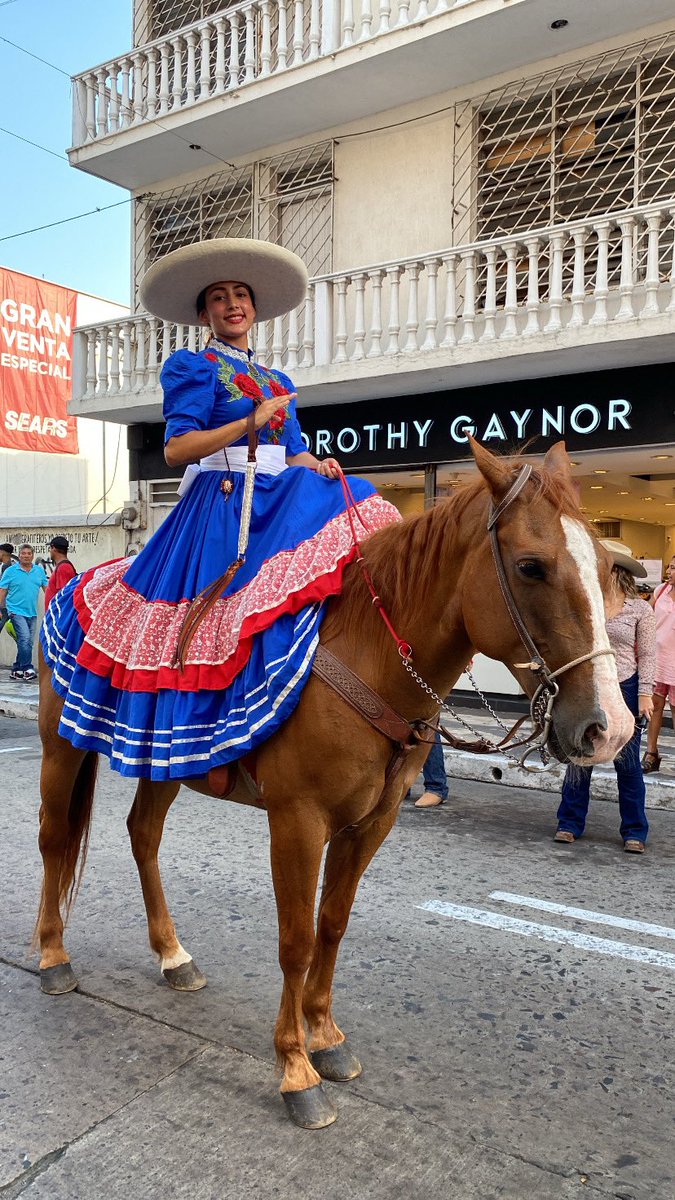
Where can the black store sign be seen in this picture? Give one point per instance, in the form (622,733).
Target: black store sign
(603,410)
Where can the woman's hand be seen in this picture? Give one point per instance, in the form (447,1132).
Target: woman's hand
(646,707)
(267,408)
(329,467)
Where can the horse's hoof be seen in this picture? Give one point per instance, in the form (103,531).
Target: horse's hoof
(185,978)
(336,1063)
(311,1108)
(56,981)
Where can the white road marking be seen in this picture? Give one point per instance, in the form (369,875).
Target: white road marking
(12,749)
(584,914)
(549,933)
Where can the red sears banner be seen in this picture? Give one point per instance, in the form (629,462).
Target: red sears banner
(36,346)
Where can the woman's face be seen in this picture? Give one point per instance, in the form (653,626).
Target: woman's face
(229,311)
(670,571)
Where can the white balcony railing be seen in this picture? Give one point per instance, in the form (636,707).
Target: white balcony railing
(459,304)
(248,42)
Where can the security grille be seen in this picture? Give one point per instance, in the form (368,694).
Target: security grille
(607,529)
(156,18)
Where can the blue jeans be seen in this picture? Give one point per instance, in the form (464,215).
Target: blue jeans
(435,778)
(25,635)
(576,788)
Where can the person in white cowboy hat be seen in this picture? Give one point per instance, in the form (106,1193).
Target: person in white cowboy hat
(187,656)
(631,630)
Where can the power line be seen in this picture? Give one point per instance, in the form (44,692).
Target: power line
(10,133)
(30,52)
(65,220)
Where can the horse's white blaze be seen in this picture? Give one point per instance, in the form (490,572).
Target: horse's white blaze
(176,960)
(606,682)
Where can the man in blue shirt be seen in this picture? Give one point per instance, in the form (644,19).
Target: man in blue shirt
(19,591)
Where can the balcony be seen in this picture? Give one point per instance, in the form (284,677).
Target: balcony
(297,67)
(586,295)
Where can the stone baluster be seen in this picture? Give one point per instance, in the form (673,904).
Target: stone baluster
(261,331)
(308,330)
(180,337)
(278,344)
(193,338)
(422,11)
(555,296)
(412,320)
(627,278)
(376,278)
(298,32)
(234,51)
(601,275)
(79,111)
(177,90)
(450,312)
(579,278)
(468,259)
(366,20)
(532,304)
(314,29)
(359,282)
(394,326)
(250,16)
(101,102)
(102,354)
(430,342)
(151,98)
(126,356)
(138,88)
(153,363)
(114,359)
(205,61)
(323,322)
(490,305)
(164,93)
(348,23)
(282,35)
(341,330)
(90,389)
(166,340)
(510,329)
(90,107)
(191,40)
(442,6)
(139,362)
(220,73)
(266,39)
(671,306)
(293,343)
(403,14)
(652,279)
(114,104)
(125,102)
(385,16)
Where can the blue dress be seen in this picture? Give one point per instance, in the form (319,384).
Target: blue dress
(110,636)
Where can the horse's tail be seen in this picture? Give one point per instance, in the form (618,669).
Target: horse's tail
(74,854)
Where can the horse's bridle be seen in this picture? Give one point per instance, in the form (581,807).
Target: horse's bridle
(543,699)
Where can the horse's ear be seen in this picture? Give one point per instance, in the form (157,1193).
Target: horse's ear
(556,460)
(495,471)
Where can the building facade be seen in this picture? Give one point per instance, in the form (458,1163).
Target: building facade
(484,194)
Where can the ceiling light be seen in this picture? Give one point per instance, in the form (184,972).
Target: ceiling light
(573,463)
(647,497)
(623,493)
(597,487)
(670,504)
(599,471)
(660,456)
(559,23)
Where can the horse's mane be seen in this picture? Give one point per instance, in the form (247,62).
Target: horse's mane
(403,558)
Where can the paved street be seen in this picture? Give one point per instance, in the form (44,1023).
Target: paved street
(509,1049)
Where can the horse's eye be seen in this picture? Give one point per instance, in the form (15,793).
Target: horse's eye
(530,568)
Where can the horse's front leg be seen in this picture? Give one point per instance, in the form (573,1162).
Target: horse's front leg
(298,837)
(348,856)
(146,825)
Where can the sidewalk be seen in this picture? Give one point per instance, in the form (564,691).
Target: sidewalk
(19,699)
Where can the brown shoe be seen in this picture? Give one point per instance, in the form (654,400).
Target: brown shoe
(564,835)
(650,762)
(429,800)
(633,846)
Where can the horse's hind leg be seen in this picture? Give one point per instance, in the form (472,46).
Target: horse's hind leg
(298,838)
(348,856)
(146,825)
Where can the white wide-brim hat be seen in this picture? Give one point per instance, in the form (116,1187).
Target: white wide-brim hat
(622,557)
(277,277)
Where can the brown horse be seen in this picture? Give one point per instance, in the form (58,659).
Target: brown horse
(321,779)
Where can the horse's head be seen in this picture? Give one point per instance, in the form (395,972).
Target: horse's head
(556,572)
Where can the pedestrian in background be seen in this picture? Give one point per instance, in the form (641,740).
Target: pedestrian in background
(631,631)
(19,591)
(63,570)
(7,557)
(663,603)
(435,777)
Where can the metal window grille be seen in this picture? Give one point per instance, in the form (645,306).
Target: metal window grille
(607,529)
(157,18)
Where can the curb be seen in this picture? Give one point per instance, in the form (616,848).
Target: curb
(16,706)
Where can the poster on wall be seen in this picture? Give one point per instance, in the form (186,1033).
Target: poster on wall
(36,346)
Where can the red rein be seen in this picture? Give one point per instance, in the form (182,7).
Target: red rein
(404,648)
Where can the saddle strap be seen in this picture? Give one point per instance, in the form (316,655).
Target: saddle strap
(363,699)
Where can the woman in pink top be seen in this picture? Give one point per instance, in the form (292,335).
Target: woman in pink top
(663,604)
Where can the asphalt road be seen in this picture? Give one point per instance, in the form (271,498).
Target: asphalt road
(509,1050)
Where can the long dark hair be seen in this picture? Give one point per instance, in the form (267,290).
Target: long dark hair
(625,580)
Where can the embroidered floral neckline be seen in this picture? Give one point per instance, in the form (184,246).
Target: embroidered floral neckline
(231,351)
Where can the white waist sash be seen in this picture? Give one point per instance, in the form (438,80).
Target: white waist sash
(270,460)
